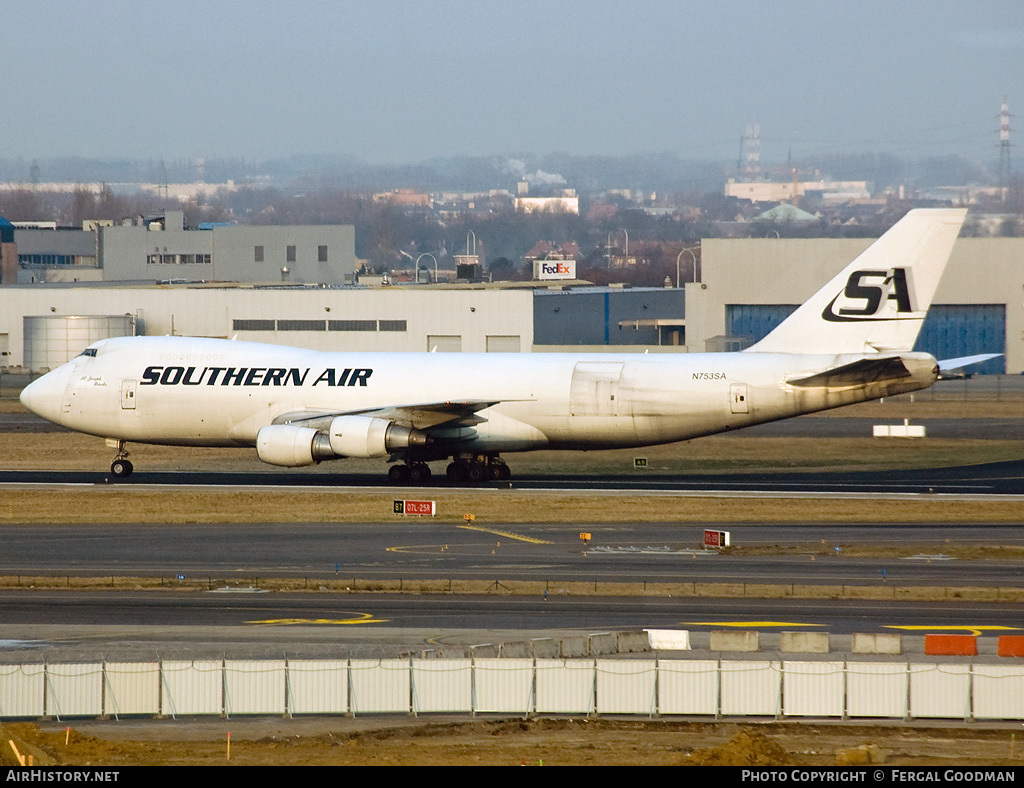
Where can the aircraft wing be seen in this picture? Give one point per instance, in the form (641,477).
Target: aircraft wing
(423,416)
(857,373)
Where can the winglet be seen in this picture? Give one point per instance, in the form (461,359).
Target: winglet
(878,302)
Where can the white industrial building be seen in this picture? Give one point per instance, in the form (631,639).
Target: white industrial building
(160,247)
(41,326)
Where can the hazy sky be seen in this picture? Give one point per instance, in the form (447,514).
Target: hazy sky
(394,82)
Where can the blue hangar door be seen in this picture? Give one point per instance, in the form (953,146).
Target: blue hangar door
(955,330)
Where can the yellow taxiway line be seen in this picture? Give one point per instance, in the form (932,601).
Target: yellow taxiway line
(360,618)
(967,628)
(505,534)
(749,624)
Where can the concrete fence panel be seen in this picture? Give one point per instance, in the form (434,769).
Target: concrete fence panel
(503,686)
(940,691)
(192,687)
(998,692)
(876,689)
(565,686)
(317,686)
(812,689)
(626,686)
(732,640)
(22,691)
(442,685)
(751,687)
(601,643)
(688,686)
(379,686)
(74,690)
(131,688)
(254,687)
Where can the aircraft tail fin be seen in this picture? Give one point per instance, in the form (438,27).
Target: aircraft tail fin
(879,301)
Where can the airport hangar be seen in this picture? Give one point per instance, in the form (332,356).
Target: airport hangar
(747,286)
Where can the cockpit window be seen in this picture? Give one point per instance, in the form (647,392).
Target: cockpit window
(89,351)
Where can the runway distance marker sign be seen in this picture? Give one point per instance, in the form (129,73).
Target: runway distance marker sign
(716,538)
(418,508)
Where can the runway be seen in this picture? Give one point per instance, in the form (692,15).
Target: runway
(333,617)
(550,553)
(990,479)
(809,426)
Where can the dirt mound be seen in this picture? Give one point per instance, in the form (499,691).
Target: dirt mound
(28,741)
(746,748)
(400,740)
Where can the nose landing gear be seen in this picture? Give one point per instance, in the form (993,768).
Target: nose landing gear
(121,467)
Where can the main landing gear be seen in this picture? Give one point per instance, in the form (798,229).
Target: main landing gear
(478,468)
(475,469)
(410,473)
(121,467)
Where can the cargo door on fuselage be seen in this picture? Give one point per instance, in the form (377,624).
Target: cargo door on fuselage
(595,389)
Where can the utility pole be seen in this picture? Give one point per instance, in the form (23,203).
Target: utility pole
(1004,150)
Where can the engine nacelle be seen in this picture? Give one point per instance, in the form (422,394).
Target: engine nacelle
(366,436)
(284,444)
(349,436)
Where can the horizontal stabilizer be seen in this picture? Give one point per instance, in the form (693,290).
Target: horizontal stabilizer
(858,373)
(949,364)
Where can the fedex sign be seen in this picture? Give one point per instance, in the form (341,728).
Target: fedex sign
(554,269)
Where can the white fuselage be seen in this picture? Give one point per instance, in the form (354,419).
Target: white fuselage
(208,392)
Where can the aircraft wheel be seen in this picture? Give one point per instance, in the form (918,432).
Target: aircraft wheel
(121,468)
(419,473)
(477,472)
(504,473)
(456,472)
(494,472)
(398,474)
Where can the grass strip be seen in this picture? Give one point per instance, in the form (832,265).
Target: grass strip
(535,588)
(102,504)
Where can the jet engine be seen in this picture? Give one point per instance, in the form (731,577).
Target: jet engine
(365,436)
(290,446)
(348,436)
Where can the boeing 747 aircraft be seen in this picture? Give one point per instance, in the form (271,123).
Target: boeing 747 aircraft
(849,343)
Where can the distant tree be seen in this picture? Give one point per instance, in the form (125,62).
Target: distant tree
(23,205)
(1015,195)
(83,206)
(502,269)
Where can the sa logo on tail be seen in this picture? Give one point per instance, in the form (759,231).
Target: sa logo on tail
(859,287)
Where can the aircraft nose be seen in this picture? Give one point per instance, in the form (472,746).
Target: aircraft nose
(44,396)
